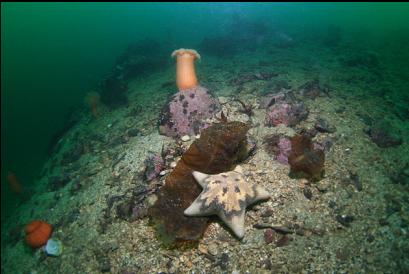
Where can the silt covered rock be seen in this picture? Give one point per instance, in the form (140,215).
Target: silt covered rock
(384,135)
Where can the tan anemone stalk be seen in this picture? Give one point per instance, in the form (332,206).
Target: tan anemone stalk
(185,68)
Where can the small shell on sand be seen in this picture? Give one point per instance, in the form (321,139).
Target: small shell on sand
(163,172)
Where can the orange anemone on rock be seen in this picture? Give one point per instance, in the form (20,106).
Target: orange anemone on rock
(37,233)
(185,68)
(14,183)
(93,100)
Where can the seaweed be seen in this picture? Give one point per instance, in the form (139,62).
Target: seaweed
(219,149)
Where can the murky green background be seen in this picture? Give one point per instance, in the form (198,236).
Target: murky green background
(54,53)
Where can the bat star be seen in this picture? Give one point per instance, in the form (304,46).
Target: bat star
(227,195)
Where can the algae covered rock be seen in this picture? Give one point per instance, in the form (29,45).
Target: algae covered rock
(219,148)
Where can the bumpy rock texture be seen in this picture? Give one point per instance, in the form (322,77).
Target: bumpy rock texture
(187,111)
(288,114)
(282,108)
(284,146)
(219,148)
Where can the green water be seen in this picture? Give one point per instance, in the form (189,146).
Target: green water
(53,54)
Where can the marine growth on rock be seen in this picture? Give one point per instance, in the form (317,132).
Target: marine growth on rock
(187,111)
(285,113)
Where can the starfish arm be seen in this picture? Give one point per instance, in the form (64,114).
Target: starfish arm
(259,194)
(239,169)
(197,208)
(235,222)
(200,177)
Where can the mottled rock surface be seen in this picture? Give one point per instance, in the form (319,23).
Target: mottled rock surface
(187,111)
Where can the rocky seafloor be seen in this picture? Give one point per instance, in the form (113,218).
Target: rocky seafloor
(354,220)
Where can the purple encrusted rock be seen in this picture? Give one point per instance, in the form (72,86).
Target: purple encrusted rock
(325,145)
(284,149)
(187,111)
(288,114)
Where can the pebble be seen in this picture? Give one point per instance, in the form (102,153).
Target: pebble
(224,261)
(213,249)
(173,164)
(151,200)
(164,172)
(323,125)
(383,222)
(283,241)
(307,193)
(269,236)
(203,249)
(105,266)
(353,176)
(322,186)
(342,254)
(185,138)
(189,264)
(133,132)
(267,213)
(345,220)
(110,246)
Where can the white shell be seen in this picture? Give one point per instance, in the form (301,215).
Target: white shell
(185,138)
(53,247)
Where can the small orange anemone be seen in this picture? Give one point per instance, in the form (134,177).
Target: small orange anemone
(185,68)
(14,183)
(37,233)
(93,100)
